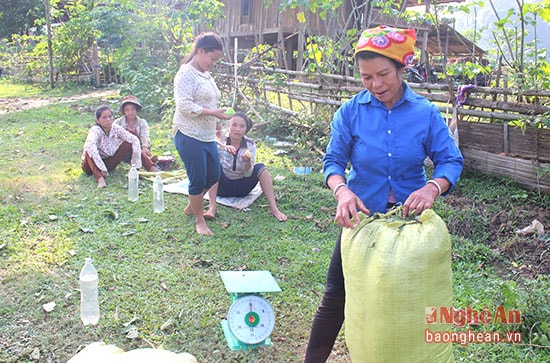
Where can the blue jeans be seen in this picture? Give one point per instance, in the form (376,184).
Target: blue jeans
(201,161)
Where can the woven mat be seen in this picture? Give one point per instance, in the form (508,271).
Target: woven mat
(234,202)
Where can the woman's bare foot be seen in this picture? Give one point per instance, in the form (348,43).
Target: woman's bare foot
(101,183)
(210,214)
(203,229)
(188,211)
(154,169)
(278,214)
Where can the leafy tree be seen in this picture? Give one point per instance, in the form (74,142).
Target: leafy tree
(150,41)
(18,16)
(527,61)
(73,40)
(141,43)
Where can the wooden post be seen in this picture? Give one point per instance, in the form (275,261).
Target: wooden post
(235,69)
(281,57)
(446,51)
(95,63)
(50,50)
(424,56)
(261,26)
(505,138)
(228,28)
(301,46)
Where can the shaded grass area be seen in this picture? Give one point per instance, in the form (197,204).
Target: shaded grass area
(159,277)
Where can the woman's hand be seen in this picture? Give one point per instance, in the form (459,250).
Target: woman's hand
(220,113)
(104,174)
(348,205)
(231,149)
(420,200)
(146,151)
(246,156)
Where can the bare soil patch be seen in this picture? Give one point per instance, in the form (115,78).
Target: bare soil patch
(8,105)
(528,255)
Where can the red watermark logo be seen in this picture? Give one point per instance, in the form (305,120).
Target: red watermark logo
(460,317)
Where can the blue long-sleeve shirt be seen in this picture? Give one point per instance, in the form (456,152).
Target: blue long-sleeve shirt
(387,148)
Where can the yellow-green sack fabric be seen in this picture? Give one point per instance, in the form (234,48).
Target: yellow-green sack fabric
(394,269)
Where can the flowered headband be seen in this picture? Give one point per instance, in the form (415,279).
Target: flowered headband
(394,43)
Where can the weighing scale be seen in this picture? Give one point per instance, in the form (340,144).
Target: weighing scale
(250,319)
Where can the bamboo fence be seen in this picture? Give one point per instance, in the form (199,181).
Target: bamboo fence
(497,127)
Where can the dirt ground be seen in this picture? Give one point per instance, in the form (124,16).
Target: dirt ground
(8,105)
(528,252)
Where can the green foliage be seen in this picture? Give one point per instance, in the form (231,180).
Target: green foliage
(325,54)
(141,43)
(263,54)
(24,57)
(321,7)
(464,72)
(17,17)
(149,43)
(72,41)
(527,62)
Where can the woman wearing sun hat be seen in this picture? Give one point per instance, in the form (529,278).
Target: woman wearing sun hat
(129,108)
(386,132)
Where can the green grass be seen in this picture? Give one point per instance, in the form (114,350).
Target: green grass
(10,89)
(53,216)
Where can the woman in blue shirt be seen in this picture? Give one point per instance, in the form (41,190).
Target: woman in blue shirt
(385,132)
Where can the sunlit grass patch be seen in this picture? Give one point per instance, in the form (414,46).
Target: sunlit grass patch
(9,89)
(37,247)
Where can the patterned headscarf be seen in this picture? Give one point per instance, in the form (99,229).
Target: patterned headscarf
(393,43)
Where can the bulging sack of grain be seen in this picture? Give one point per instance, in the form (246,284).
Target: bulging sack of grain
(395,270)
(99,352)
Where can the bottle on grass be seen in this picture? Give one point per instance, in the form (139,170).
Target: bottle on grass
(89,299)
(133,180)
(158,194)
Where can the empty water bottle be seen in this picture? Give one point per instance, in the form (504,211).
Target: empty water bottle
(158,194)
(89,300)
(133,180)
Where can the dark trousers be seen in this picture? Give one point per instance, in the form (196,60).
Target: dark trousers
(329,317)
(90,168)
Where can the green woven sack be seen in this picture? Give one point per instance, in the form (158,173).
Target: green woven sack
(394,269)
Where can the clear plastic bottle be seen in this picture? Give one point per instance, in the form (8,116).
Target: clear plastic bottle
(133,180)
(158,194)
(89,299)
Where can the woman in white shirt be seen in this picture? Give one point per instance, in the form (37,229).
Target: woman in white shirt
(196,121)
(107,145)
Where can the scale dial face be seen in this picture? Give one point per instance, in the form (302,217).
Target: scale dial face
(251,319)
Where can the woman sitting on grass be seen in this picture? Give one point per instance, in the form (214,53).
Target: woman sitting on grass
(239,173)
(129,108)
(107,145)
